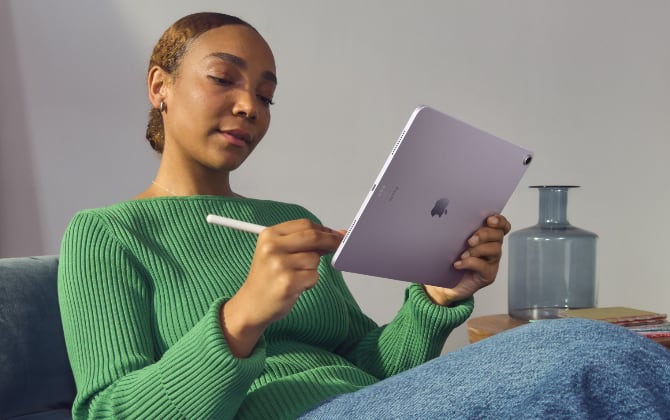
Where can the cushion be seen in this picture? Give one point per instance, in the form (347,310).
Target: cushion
(35,376)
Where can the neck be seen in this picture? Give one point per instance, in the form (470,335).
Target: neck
(182,191)
(171,180)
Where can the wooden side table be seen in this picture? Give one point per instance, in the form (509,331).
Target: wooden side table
(482,327)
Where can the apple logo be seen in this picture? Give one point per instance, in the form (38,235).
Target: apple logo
(440,207)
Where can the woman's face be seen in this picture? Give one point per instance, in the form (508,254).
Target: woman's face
(218,103)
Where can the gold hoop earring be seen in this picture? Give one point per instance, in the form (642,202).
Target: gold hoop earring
(162,107)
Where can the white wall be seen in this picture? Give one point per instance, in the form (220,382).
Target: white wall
(582,83)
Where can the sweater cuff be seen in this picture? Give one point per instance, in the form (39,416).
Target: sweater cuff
(202,368)
(436,316)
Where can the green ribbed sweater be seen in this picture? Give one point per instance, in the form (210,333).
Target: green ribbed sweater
(140,287)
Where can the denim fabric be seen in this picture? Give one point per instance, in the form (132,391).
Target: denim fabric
(559,369)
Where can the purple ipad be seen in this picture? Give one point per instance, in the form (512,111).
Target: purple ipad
(441,180)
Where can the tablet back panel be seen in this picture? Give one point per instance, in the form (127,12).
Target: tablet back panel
(439,183)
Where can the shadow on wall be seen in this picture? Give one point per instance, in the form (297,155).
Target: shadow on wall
(20,228)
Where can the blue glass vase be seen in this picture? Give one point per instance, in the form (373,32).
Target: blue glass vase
(552,265)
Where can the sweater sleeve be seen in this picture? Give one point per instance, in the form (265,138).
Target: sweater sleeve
(415,335)
(106,303)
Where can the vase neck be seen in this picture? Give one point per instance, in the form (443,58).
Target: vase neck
(553,207)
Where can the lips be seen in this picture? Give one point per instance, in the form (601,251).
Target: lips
(237,136)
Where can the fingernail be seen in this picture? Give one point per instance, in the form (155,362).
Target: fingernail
(473,240)
(493,220)
(465,255)
(458,264)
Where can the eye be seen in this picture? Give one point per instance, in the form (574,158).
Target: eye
(267,101)
(221,81)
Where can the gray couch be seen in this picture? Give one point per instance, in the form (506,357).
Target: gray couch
(35,377)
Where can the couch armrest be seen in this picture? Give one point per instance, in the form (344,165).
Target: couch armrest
(35,375)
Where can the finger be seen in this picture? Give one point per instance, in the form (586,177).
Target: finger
(498,221)
(293,226)
(298,236)
(490,251)
(486,234)
(305,261)
(305,280)
(311,240)
(304,235)
(485,269)
(314,241)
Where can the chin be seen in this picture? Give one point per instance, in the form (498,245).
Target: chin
(225,156)
(226,165)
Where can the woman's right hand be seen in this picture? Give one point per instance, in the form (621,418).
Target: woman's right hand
(284,265)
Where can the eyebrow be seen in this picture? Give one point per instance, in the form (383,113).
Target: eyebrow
(240,62)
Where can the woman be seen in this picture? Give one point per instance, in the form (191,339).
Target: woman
(166,316)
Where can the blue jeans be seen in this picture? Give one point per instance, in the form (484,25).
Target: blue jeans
(569,368)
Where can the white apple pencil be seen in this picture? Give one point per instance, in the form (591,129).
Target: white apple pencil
(234,223)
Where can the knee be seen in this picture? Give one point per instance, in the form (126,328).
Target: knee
(583,335)
(579,329)
(571,326)
(568,341)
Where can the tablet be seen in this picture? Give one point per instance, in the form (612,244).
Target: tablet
(441,180)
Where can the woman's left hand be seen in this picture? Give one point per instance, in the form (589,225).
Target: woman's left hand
(480,260)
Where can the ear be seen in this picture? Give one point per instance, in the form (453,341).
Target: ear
(157,85)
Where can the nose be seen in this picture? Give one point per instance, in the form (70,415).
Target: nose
(245,105)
